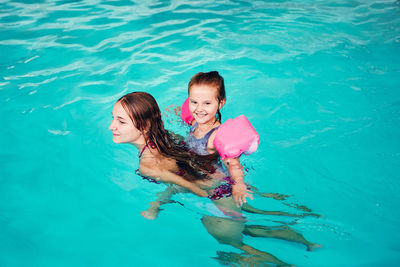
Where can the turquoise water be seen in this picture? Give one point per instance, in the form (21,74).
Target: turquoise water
(319,81)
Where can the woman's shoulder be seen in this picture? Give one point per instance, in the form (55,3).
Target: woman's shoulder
(148,167)
(157,165)
(145,169)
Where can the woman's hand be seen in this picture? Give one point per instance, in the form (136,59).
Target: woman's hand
(200,192)
(152,212)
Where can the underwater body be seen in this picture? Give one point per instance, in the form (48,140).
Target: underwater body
(318,80)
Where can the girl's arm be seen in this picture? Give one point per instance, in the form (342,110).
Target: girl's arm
(171,178)
(235,169)
(239,189)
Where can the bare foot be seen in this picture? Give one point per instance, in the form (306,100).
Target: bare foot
(151,213)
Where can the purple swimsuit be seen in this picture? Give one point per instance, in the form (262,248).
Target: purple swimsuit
(199,146)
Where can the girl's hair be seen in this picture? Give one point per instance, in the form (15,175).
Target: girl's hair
(211,78)
(145,114)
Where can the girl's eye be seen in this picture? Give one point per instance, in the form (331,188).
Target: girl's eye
(208,103)
(194,102)
(122,122)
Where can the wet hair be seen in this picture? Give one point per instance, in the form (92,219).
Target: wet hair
(211,78)
(145,114)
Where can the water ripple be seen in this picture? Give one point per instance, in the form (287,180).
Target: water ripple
(319,79)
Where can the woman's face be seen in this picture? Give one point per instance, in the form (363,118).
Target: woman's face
(122,127)
(203,103)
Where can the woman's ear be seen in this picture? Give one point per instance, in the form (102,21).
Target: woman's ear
(221,103)
(146,129)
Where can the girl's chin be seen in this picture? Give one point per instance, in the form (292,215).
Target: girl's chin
(202,119)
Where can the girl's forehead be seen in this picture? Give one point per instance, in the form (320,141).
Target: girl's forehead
(203,90)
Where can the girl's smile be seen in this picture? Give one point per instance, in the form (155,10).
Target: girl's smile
(203,103)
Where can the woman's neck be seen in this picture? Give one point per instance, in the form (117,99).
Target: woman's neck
(140,145)
(146,148)
(139,142)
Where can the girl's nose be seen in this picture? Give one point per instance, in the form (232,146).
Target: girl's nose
(199,107)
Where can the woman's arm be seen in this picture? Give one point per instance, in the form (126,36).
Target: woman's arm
(166,176)
(163,197)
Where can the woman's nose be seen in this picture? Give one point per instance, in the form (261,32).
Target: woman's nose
(112,125)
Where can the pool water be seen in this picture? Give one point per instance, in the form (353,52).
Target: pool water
(319,80)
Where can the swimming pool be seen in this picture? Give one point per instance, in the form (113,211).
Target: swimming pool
(318,80)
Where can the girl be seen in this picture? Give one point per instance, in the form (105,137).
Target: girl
(206,98)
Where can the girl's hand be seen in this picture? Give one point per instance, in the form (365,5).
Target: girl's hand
(240,193)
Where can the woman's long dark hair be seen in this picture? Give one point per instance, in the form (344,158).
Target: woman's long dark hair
(145,114)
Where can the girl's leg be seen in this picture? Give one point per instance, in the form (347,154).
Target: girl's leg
(228,207)
(275,196)
(283,232)
(250,209)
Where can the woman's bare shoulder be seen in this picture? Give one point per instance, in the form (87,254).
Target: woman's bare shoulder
(148,167)
(157,166)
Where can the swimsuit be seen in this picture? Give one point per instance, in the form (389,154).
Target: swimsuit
(151,180)
(224,190)
(199,146)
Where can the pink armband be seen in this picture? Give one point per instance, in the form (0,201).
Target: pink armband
(186,116)
(236,136)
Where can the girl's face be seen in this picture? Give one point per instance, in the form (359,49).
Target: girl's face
(123,129)
(203,103)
